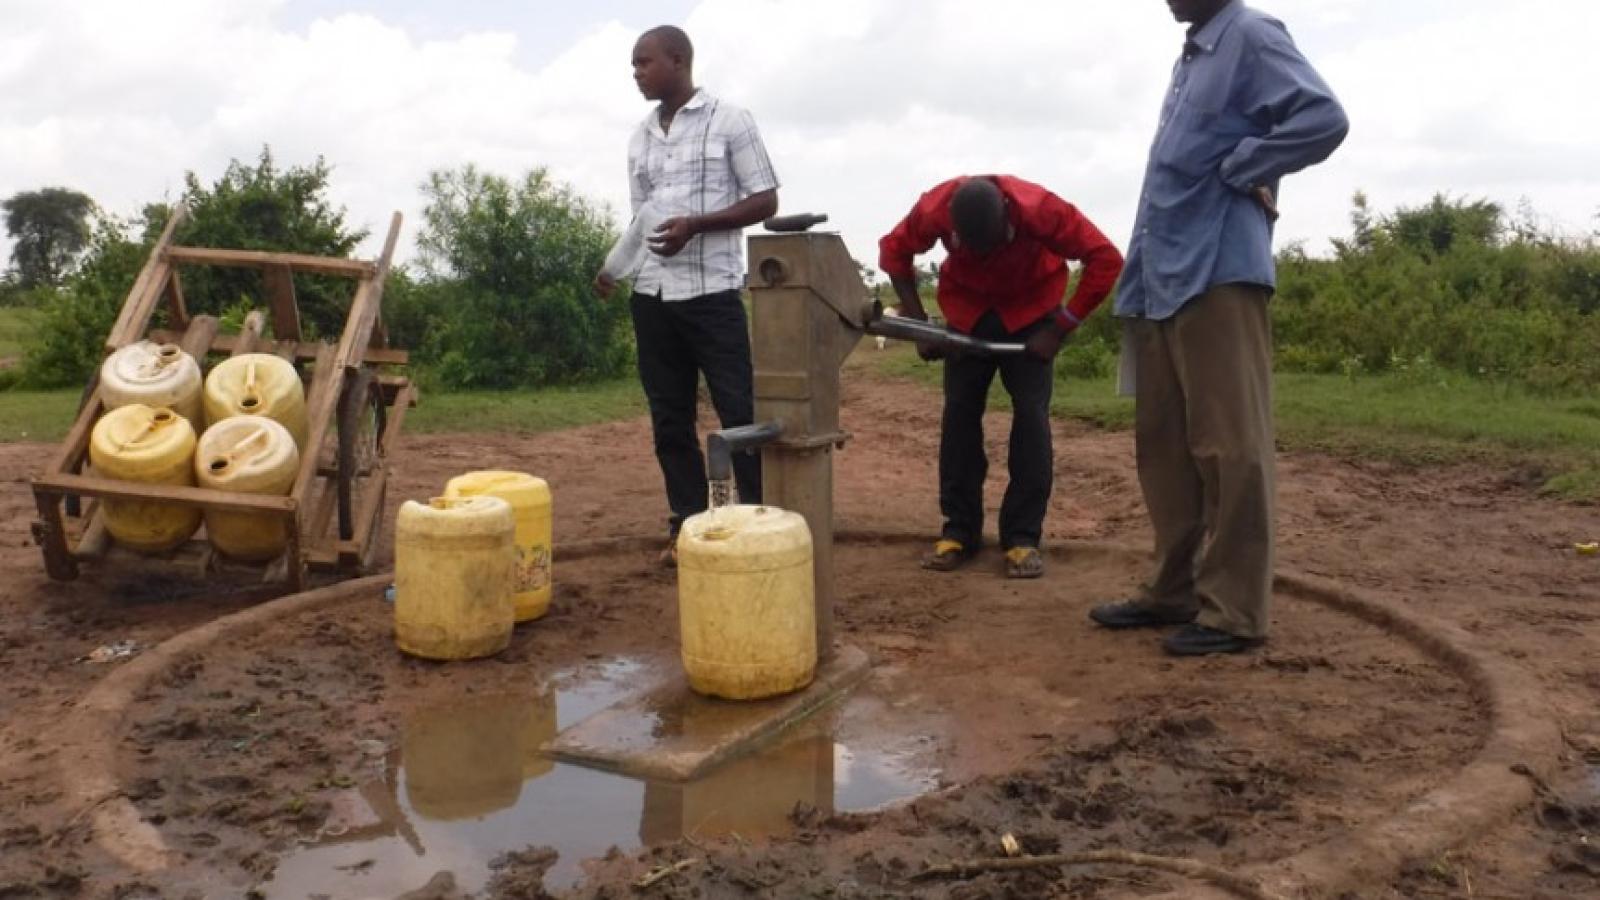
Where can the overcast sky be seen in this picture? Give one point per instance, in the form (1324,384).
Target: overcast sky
(863,103)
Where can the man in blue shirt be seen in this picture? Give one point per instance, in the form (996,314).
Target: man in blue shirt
(1243,110)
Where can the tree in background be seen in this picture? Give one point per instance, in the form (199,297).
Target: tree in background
(259,207)
(1445,223)
(504,299)
(68,341)
(251,207)
(51,229)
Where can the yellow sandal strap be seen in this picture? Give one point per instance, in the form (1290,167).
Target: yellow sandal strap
(946,547)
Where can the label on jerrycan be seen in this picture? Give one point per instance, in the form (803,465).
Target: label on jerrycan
(533,568)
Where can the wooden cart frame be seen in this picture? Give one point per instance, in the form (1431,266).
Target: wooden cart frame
(334,511)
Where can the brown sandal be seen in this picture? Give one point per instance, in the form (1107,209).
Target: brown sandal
(1024,562)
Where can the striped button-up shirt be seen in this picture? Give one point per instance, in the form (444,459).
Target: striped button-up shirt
(710,159)
(1243,110)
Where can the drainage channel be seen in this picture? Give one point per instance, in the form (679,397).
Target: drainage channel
(467,784)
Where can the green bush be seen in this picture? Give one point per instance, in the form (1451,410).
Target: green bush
(504,295)
(73,321)
(1451,283)
(260,207)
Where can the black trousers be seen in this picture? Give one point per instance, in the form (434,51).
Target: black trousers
(678,342)
(963,465)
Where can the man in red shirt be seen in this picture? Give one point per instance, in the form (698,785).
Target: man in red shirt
(1007,242)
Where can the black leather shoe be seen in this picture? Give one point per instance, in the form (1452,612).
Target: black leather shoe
(1198,640)
(1135,614)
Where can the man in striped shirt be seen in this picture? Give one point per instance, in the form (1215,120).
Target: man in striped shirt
(698,164)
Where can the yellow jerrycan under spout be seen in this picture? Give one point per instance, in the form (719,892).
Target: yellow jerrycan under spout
(454,561)
(247,455)
(258,384)
(148,446)
(530,503)
(157,375)
(746,599)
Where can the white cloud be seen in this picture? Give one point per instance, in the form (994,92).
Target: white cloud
(865,103)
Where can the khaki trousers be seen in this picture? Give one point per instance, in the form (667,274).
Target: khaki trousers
(1204,438)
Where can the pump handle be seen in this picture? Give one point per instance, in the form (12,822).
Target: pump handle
(796,222)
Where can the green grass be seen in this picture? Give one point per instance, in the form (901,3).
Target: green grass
(1414,419)
(15,325)
(37,415)
(527,412)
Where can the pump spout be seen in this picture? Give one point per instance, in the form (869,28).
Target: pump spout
(721,445)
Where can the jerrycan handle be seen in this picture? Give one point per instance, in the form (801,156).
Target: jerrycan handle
(226,460)
(255,437)
(162,418)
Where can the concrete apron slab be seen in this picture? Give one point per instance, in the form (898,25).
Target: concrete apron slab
(673,734)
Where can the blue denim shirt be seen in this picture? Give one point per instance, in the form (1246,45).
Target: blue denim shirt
(1244,109)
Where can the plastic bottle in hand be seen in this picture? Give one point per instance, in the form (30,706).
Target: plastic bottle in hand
(628,253)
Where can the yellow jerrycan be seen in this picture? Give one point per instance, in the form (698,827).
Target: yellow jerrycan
(247,455)
(745,602)
(149,446)
(530,502)
(454,561)
(157,375)
(258,384)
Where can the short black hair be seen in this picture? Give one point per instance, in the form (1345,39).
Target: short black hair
(672,41)
(978,211)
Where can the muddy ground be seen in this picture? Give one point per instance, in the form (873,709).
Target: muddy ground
(1037,724)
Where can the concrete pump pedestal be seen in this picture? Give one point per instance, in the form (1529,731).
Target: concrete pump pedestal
(673,734)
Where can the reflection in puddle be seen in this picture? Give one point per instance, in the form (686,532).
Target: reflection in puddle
(467,783)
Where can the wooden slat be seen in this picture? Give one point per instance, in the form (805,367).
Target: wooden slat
(257,259)
(304,350)
(142,308)
(90,486)
(403,401)
(364,310)
(326,380)
(177,307)
(197,340)
(351,552)
(294,557)
(51,532)
(248,338)
(321,513)
(96,539)
(278,282)
(142,282)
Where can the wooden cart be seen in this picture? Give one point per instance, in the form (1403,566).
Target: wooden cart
(354,409)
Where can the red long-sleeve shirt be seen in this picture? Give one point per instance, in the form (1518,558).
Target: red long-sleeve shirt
(1023,280)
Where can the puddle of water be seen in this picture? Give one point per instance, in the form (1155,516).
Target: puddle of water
(467,784)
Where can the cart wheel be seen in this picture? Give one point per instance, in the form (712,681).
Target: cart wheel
(361,419)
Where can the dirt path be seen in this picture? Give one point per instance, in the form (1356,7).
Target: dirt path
(1233,760)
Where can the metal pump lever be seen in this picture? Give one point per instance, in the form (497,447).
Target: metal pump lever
(942,338)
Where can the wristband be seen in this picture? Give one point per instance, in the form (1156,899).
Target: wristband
(1068,322)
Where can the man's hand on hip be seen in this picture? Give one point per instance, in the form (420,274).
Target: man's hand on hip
(1268,203)
(1046,341)
(672,235)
